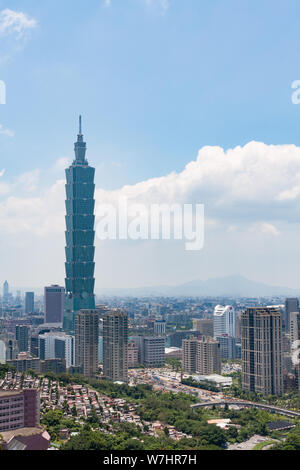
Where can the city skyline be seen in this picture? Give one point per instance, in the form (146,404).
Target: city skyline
(150,290)
(232,147)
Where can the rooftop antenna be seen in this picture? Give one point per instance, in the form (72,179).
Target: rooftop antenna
(80,126)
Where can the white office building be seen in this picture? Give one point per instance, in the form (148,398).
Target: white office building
(159,327)
(224,321)
(57,346)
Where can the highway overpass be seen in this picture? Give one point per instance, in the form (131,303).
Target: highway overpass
(248,404)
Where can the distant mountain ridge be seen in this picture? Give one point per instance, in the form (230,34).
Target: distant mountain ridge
(231,286)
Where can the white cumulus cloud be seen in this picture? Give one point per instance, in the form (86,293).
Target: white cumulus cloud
(43,215)
(15,22)
(250,183)
(251,186)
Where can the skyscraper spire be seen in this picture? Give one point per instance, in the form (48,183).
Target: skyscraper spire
(80,126)
(80,147)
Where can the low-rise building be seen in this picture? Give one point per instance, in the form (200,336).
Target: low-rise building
(218,380)
(26,439)
(25,362)
(174,353)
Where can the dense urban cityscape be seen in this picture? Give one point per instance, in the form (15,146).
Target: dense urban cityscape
(80,372)
(149,231)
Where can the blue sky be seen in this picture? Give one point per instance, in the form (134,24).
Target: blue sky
(152,87)
(155,81)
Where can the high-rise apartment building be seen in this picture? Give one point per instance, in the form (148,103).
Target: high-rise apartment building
(80,235)
(294,327)
(261,330)
(18,298)
(227,346)
(151,350)
(174,339)
(29,302)
(204,326)
(54,304)
(154,354)
(22,336)
(115,346)
(208,356)
(138,341)
(34,345)
(291,305)
(100,349)
(224,321)
(133,355)
(87,342)
(189,355)
(11,349)
(201,356)
(238,326)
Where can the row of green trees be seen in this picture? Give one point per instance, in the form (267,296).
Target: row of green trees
(124,439)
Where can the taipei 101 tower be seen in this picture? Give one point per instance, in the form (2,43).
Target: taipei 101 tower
(80,235)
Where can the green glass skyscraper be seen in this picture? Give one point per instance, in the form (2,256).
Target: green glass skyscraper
(80,235)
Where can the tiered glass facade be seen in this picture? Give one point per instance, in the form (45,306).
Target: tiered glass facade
(80,235)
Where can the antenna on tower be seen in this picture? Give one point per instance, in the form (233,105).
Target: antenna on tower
(80,126)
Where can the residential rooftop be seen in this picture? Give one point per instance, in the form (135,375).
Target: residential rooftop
(22,432)
(10,393)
